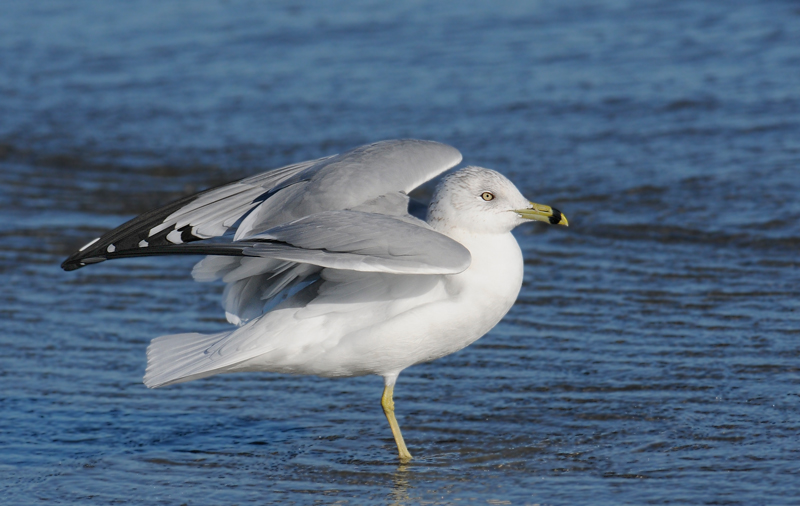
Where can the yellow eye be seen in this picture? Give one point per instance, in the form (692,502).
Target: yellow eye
(487,196)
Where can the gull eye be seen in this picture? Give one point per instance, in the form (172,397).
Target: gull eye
(487,196)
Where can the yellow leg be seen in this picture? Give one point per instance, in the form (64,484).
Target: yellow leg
(388,409)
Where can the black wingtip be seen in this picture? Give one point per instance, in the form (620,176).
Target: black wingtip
(72,262)
(76,262)
(95,256)
(70,266)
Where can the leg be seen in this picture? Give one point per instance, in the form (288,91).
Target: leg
(388,409)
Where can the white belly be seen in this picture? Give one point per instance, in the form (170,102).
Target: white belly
(470,304)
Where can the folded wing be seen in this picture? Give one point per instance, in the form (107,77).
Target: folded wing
(360,241)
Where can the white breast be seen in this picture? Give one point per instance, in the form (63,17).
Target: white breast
(484,293)
(469,304)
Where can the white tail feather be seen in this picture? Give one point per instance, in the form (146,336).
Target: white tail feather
(180,357)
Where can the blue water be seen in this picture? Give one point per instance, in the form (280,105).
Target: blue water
(653,356)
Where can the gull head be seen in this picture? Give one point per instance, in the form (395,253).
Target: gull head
(483,201)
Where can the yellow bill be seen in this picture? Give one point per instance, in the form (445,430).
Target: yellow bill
(543,213)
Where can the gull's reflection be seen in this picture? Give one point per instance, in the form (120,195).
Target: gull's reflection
(400,487)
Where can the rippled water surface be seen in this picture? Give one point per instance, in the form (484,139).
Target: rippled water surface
(653,356)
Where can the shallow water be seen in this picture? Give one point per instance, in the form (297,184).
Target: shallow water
(653,356)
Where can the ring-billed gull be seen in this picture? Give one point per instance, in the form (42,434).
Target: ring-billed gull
(327,273)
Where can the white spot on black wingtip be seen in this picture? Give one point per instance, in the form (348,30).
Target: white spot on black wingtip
(143,244)
(232,318)
(111,248)
(175,237)
(89,244)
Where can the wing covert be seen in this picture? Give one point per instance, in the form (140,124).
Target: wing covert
(354,240)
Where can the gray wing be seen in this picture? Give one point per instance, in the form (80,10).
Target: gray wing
(347,211)
(280,259)
(204,215)
(351,179)
(356,179)
(360,241)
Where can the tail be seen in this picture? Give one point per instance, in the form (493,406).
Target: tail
(180,357)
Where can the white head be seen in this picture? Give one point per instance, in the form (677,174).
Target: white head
(483,201)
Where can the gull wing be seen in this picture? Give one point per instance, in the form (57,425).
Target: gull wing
(259,203)
(349,240)
(203,215)
(359,241)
